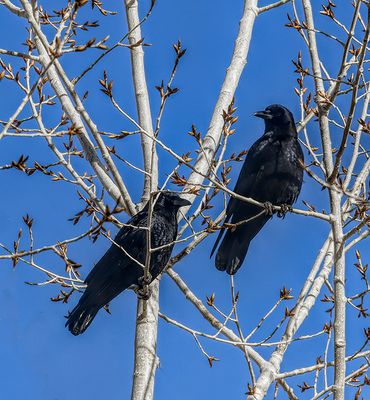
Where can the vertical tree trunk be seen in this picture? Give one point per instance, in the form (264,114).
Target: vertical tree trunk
(146,360)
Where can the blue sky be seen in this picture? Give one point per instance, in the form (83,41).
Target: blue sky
(40,359)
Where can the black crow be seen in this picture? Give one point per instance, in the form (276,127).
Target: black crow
(117,270)
(272,173)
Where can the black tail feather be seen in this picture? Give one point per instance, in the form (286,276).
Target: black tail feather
(80,318)
(231,253)
(235,244)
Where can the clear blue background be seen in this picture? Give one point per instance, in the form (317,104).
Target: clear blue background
(39,358)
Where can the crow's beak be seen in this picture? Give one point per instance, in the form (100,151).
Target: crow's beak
(182,202)
(263,114)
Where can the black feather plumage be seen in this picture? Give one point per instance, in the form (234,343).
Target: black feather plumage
(272,172)
(117,271)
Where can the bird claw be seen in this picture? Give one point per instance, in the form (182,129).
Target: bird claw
(144,293)
(285,208)
(269,209)
(145,280)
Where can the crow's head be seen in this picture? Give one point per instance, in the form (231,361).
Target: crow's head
(277,116)
(171,200)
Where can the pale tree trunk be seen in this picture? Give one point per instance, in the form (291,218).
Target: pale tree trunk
(142,98)
(146,360)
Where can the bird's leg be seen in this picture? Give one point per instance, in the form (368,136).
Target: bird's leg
(285,208)
(145,280)
(144,292)
(269,209)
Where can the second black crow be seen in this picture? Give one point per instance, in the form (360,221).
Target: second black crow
(118,270)
(272,173)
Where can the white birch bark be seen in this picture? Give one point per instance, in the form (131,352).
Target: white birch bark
(146,360)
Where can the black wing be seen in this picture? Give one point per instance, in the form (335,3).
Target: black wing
(117,269)
(114,273)
(252,169)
